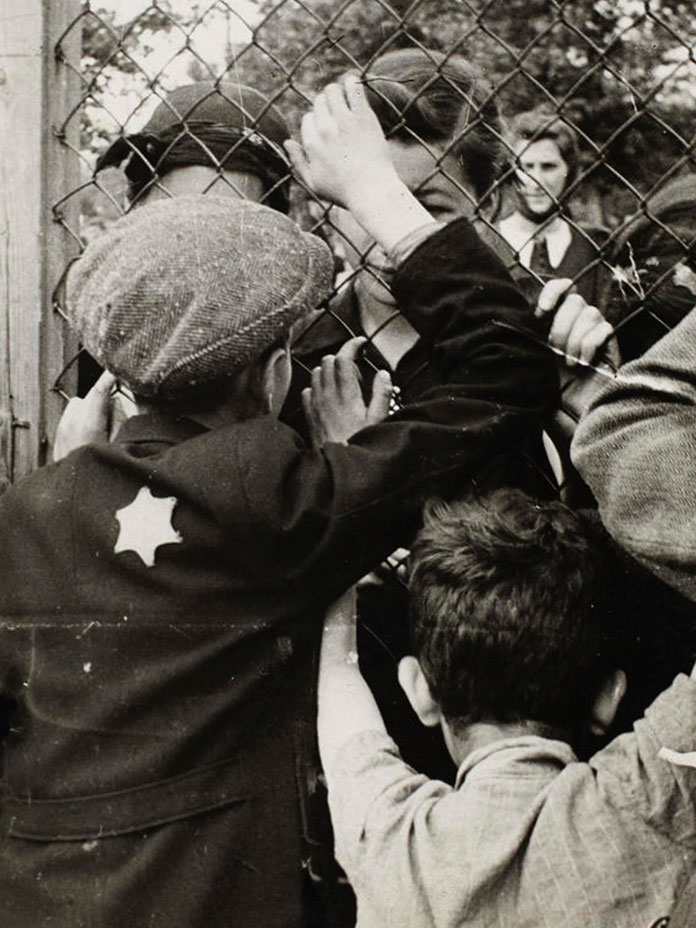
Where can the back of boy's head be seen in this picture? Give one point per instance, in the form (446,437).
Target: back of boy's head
(183,294)
(422,95)
(512,611)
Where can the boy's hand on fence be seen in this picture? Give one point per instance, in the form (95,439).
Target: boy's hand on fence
(334,404)
(579,331)
(85,419)
(344,154)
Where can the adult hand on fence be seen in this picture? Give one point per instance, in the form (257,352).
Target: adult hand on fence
(587,346)
(343,152)
(579,332)
(85,419)
(334,404)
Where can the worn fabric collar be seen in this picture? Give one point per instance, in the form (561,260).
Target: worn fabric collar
(158,427)
(523,749)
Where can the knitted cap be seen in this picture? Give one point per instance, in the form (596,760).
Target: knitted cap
(185,291)
(223,103)
(209,123)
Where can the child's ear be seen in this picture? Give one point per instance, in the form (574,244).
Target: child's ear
(414,684)
(606,704)
(276,379)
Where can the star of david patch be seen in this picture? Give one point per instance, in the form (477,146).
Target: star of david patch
(145,525)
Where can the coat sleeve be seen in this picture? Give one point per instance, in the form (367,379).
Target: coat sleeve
(636,448)
(651,771)
(327,516)
(481,335)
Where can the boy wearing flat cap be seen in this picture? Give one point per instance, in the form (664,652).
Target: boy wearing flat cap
(163,594)
(218,137)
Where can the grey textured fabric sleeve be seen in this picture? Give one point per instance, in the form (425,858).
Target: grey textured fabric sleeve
(636,448)
(651,772)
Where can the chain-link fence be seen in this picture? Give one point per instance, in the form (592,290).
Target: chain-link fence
(613,84)
(598,185)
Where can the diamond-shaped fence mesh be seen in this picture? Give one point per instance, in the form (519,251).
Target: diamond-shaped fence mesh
(612,83)
(564,129)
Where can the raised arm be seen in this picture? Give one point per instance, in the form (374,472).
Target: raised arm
(452,288)
(651,772)
(344,158)
(636,448)
(496,376)
(346,706)
(326,515)
(344,507)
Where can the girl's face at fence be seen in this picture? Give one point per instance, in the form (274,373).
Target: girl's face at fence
(542,173)
(437,181)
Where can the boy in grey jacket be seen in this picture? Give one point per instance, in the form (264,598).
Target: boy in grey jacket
(516,657)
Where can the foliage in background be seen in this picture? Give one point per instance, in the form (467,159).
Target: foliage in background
(109,51)
(623,72)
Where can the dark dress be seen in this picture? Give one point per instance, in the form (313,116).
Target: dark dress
(581,263)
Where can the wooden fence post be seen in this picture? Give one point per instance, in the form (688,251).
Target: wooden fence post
(36,169)
(61,178)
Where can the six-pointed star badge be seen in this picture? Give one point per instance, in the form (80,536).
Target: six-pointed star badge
(146,524)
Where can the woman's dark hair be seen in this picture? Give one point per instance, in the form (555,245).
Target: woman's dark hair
(428,96)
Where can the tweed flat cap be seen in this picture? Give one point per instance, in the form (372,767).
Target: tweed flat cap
(186,291)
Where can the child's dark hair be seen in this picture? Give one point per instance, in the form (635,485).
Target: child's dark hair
(425,95)
(512,612)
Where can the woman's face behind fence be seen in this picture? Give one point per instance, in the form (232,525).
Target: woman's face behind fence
(542,173)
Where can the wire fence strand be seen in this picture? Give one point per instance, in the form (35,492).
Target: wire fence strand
(619,76)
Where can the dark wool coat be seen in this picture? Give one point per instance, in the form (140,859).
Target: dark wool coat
(383,627)
(161,600)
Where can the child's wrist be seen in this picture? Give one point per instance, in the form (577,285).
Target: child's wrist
(373,183)
(388,210)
